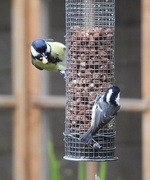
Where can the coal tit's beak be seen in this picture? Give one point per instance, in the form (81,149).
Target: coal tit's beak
(44,59)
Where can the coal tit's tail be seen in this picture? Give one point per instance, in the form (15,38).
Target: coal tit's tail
(87,137)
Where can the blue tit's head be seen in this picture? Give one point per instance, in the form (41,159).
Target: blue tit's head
(112,96)
(40,49)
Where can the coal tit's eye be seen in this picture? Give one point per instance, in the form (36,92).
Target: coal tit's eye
(34,52)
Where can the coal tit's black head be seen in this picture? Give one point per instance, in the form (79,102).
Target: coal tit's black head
(112,96)
(40,49)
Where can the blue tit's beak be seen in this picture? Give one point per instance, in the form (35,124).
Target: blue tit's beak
(44,59)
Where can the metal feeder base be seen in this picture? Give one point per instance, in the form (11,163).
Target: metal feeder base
(102,148)
(90,160)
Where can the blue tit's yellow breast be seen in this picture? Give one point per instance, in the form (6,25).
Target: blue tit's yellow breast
(49,67)
(58,50)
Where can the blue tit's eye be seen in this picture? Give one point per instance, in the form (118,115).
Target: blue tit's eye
(34,52)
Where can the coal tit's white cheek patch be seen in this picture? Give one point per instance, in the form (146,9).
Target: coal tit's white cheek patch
(109,95)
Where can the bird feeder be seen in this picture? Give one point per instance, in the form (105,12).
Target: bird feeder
(90,35)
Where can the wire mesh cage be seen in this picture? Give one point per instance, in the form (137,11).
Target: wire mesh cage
(90,28)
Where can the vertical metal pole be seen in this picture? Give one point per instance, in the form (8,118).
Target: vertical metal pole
(88,14)
(91,167)
(19,89)
(146,88)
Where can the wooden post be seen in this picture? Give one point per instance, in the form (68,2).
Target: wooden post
(19,89)
(91,170)
(34,124)
(146,88)
(7,101)
(26,126)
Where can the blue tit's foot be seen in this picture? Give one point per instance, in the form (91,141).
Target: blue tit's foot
(63,72)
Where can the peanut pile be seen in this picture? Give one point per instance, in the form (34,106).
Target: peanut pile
(90,70)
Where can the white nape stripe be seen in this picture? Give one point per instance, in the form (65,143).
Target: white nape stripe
(48,48)
(109,95)
(117,99)
(34,52)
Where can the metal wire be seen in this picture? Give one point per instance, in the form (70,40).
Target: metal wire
(90,31)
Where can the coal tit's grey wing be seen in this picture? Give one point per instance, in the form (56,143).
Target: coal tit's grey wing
(96,113)
(98,119)
(97,98)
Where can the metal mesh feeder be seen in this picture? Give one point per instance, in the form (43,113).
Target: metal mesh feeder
(90,27)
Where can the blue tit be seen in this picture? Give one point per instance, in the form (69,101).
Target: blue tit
(105,108)
(49,55)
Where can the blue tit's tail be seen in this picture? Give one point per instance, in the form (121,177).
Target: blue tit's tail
(87,137)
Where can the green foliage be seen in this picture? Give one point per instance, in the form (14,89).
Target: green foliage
(54,165)
(81,171)
(102,170)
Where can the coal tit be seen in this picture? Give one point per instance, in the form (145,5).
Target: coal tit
(105,108)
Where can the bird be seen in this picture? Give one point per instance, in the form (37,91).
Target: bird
(105,108)
(48,55)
